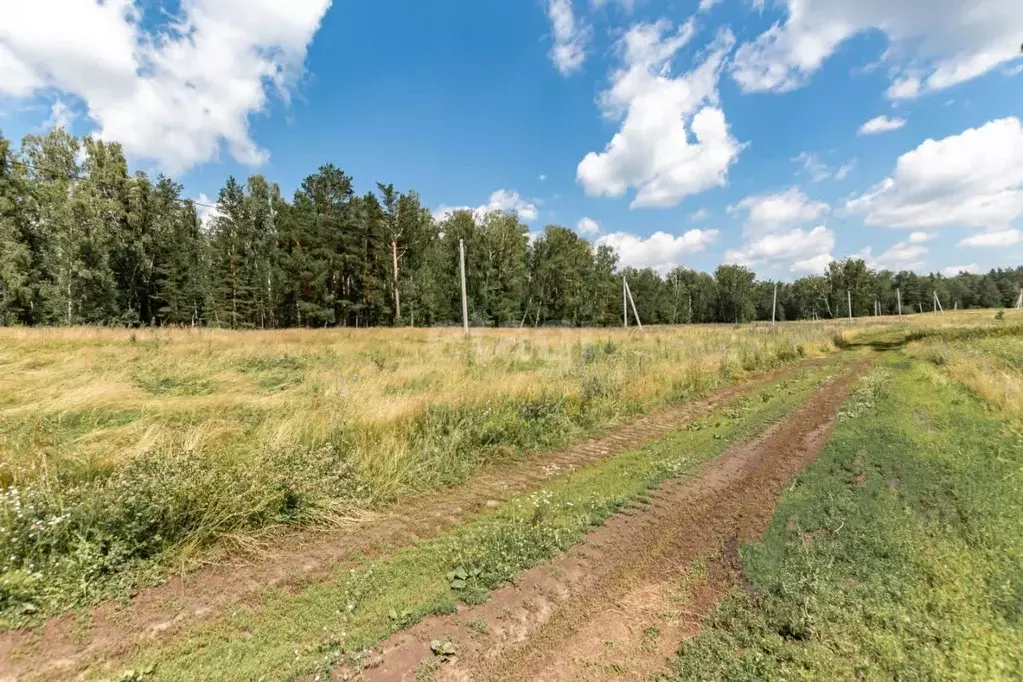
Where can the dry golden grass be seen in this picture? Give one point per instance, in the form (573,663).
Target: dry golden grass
(100,395)
(991,368)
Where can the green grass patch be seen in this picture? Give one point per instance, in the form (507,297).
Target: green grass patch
(897,555)
(330,622)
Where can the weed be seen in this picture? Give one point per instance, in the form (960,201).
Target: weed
(478,625)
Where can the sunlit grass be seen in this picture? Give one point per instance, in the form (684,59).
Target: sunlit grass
(119,447)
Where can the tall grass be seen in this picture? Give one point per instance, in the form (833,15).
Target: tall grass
(117,447)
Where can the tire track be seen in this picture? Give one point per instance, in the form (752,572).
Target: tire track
(620,603)
(291,561)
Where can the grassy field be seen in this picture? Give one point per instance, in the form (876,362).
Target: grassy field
(125,455)
(123,451)
(897,555)
(307,633)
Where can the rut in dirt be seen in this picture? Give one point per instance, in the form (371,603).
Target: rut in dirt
(60,649)
(619,605)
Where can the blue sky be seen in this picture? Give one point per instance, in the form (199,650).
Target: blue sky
(736,124)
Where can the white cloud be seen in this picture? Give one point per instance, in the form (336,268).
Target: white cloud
(571,36)
(206,209)
(700,216)
(674,140)
(706,5)
(798,250)
(881,124)
(542,177)
(904,255)
(944,41)
(502,200)
(993,239)
(817,169)
(973,179)
(660,251)
(920,237)
(587,226)
(820,171)
(953,270)
(170,93)
(61,116)
(904,88)
(773,212)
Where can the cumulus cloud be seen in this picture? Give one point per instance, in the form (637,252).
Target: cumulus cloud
(774,212)
(920,237)
(798,250)
(993,239)
(945,42)
(587,226)
(700,216)
(973,179)
(660,251)
(881,124)
(502,201)
(953,270)
(172,93)
(571,36)
(904,255)
(673,141)
(706,5)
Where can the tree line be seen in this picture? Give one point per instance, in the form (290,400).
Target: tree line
(83,241)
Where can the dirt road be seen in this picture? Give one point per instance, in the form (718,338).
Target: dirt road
(620,604)
(62,648)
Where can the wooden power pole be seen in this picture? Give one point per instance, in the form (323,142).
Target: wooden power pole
(898,296)
(625,304)
(465,303)
(628,291)
(774,305)
(848,299)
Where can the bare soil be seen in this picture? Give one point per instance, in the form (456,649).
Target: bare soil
(619,605)
(64,648)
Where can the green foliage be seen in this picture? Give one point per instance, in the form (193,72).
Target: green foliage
(896,556)
(82,241)
(66,543)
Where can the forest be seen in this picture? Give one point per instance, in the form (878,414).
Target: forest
(85,242)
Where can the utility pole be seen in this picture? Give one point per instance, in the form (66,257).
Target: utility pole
(937,304)
(848,298)
(636,314)
(625,304)
(1019,301)
(898,295)
(774,304)
(465,303)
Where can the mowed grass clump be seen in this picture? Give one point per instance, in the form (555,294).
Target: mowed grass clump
(897,555)
(122,451)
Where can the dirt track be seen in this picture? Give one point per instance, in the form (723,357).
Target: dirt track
(619,605)
(61,650)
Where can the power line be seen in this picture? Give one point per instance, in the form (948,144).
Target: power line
(77,176)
